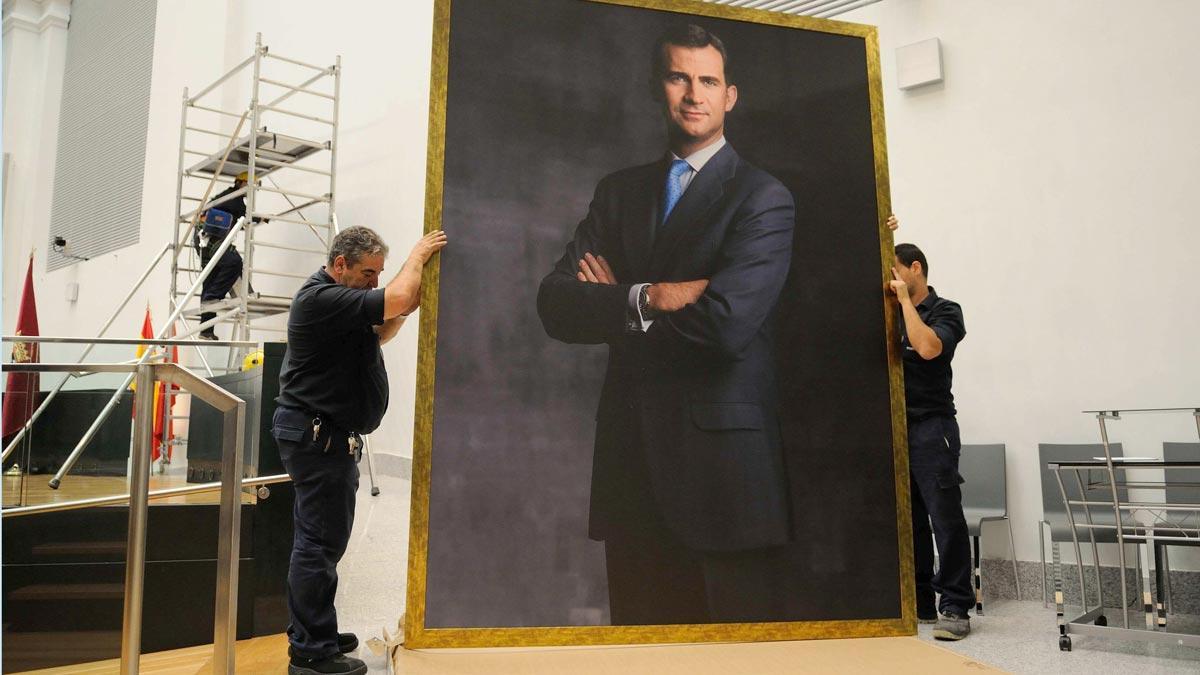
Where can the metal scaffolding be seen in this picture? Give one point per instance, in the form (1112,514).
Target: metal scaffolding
(264,153)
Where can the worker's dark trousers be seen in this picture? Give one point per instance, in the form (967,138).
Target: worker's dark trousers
(221,281)
(933,448)
(325,477)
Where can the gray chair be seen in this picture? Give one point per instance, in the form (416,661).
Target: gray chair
(985,499)
(1181,488)
(1054,511)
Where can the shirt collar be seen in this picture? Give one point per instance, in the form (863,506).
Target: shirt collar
(323,275)
(699,158)
(930,299)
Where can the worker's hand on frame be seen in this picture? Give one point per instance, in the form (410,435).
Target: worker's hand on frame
(898,286)
(428,245)
(893,223)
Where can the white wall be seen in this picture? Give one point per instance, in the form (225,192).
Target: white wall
(35,36)
(1049,180)
(104,280)
(385,52)
(1046,180)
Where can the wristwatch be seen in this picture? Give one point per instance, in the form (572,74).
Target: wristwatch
(644,303)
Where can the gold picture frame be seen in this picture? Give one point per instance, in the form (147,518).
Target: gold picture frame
(417,635)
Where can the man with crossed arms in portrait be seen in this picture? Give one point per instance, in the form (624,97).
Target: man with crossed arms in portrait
(678,266)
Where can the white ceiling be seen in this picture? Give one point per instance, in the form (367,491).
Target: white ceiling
(819,8)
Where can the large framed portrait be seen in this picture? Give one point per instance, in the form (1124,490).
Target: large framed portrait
(659,397)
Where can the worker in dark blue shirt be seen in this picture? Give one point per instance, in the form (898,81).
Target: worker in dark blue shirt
(333,389)
(225,275)
(930,329)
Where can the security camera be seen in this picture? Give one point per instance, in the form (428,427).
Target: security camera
(60,246)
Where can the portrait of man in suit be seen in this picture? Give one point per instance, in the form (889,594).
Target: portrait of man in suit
(678,266)
(655,380)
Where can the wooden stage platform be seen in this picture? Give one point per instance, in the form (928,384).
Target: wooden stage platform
(895,655)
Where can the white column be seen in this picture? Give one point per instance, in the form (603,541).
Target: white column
(35,51)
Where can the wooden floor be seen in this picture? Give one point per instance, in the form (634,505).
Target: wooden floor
(897,655)
(31,490)
(900,656)
(259,655)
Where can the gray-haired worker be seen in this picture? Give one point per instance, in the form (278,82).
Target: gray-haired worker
(333,388)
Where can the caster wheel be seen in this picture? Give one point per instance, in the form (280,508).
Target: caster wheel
(1064,643)
(1101,620)
(374,492)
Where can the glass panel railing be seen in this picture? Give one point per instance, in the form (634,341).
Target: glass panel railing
(78,445)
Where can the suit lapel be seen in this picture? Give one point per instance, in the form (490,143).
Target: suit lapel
(643,204)
(704,191)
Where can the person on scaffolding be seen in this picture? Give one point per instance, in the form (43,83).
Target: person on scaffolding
(207,239)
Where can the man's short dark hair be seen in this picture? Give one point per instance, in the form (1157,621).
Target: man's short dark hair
(908,253)
(355,243)
(685,35)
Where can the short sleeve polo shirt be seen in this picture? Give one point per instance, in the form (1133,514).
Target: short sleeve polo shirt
(927,382)
(334,364)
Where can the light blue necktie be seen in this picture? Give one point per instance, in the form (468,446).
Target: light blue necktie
(674,189)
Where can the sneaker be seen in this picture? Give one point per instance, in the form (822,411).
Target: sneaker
(346,642)
(952,627)
(340,664)
(208,335)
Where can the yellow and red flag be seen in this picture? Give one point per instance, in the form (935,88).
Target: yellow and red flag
(159,387)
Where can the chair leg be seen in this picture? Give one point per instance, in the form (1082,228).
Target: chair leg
(1042,550)
(1137,557)
(1147,582)
(1083,596)
(1012,549)
(1159,585)
(1166,559)
(1058,588)
(978,576)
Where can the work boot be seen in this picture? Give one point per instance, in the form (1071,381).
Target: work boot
(339,663)
(208,334)
(347,642)
(952,627)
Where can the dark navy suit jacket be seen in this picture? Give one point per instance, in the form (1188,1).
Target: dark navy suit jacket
(687,431)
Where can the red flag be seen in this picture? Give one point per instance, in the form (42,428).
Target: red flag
(148,334)
(21,389)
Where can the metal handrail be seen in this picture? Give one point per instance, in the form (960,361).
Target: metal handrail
(229,519)
(167,342)
(122,500)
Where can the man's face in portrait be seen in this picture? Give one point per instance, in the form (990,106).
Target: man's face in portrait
(363,274)
(695,94)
